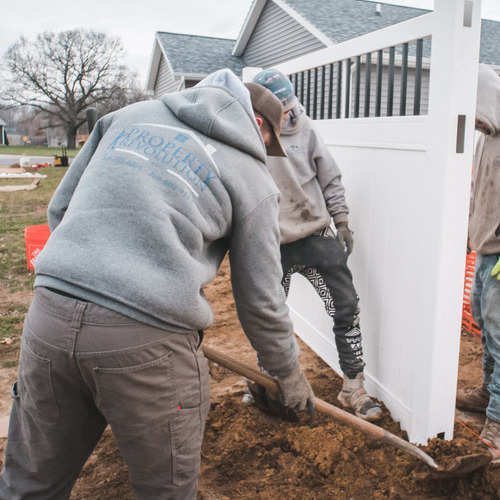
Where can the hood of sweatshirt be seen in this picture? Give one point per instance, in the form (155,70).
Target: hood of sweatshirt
(220,109)
(488,98)
(293,124)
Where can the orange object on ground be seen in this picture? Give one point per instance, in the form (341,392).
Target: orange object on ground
(468,322)
(36,237)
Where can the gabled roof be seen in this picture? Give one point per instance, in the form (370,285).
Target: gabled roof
(193,54)
(199,54)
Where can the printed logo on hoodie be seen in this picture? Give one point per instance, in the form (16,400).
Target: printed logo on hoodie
(160,149)
(293,150)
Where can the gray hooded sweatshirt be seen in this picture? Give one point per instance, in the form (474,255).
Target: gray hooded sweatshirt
(309,180)
(151,204)
(484,218)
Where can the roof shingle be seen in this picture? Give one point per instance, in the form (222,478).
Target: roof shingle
(342,20)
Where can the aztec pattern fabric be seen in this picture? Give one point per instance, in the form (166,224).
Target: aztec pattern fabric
(352,336)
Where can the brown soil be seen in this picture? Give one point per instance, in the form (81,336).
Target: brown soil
(251,455)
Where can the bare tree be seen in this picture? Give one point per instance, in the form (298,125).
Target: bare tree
(62,74)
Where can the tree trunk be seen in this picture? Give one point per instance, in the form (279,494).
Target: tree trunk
(71,137)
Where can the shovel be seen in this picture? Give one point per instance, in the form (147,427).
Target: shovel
(459,466)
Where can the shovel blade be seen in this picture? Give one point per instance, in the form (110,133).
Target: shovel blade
(463,465)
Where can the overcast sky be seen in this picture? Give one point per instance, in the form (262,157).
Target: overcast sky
(136,22)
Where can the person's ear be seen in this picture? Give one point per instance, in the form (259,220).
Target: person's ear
(259,120)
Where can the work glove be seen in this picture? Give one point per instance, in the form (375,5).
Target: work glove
(344,235)
(496,270)
(296,392)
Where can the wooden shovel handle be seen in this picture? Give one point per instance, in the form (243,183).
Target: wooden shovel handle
(241,369)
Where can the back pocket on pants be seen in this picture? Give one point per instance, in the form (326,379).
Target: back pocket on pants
(139,396)
(35,388)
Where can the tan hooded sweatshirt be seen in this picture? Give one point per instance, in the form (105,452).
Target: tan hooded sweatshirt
(484,218)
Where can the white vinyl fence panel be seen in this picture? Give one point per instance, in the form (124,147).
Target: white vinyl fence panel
(407,180)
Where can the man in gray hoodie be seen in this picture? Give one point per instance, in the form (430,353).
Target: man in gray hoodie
(312,195)
(139,225)
(484,236)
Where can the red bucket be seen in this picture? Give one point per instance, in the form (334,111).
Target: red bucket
(36,237)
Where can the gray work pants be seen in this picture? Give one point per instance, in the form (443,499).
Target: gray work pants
(82,367)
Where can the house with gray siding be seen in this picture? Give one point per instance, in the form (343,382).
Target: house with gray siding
(279,30)
(276,31)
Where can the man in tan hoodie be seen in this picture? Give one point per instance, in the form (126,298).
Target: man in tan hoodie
(312,200)
(484,234)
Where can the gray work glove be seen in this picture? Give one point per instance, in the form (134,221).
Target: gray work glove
(344,235)
(296,392)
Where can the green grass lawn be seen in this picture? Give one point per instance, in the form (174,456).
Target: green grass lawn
(35,151)
(18,210)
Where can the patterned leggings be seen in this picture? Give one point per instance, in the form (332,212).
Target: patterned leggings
(323,262)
